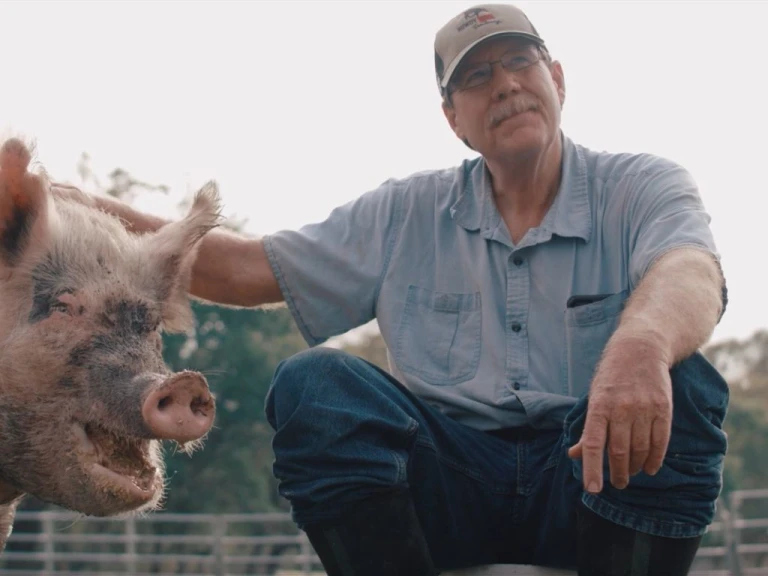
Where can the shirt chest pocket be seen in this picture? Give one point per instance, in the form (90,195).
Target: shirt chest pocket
(439,336)
(589,324)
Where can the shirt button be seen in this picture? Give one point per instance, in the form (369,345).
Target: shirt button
(516,385)
(518,261)
(516,327)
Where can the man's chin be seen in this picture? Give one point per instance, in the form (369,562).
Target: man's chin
(521,143)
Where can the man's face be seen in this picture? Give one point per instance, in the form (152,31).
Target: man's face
(506,111)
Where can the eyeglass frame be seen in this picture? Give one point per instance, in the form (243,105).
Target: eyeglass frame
(540,54)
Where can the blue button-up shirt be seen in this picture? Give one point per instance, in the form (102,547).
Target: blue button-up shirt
(491,332)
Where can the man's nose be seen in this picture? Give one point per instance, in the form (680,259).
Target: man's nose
(503,82)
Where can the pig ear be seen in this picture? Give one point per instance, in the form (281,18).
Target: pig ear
(23,201)
(173,250)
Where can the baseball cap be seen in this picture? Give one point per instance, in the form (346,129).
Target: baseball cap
(465,31)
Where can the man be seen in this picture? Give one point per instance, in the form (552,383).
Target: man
(543,306)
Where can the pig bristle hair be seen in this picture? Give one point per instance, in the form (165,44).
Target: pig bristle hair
(205,213)
(209,194)
(183,237)
(152,267)
(192,446)
(9,134)
(30,146)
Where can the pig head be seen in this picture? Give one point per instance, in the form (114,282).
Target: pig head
(85,396)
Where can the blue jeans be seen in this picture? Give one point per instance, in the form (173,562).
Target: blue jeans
(345,430)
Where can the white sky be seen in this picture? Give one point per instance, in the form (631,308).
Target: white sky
(296,107)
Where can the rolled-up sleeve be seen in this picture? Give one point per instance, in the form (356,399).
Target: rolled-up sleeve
(330,272)
(666,212)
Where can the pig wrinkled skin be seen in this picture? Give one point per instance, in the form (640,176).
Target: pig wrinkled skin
(85,397)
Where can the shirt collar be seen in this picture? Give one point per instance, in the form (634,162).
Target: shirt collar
(569,215)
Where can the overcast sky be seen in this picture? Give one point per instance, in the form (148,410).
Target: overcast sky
(296,107)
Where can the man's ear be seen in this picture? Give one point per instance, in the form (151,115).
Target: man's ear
(559,78)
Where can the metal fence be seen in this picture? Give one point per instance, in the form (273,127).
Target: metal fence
(60,542)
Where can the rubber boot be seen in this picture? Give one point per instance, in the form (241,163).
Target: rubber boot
(607,549)
(380,536)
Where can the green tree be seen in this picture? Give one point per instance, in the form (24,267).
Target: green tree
(238,351)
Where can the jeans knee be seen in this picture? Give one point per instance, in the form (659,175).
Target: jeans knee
(700,393)
(296,376)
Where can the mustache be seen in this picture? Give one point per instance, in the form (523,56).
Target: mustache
(509,108)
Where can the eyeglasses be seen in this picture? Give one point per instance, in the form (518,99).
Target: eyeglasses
(512,61)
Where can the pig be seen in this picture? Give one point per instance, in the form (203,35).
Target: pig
(85,396)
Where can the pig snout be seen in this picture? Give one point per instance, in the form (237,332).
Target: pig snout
(181,408)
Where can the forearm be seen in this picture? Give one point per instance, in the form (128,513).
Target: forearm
(233,270)
(676,307)
(230,269)
(133,220)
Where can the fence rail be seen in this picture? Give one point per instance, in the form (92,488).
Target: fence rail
(61,542)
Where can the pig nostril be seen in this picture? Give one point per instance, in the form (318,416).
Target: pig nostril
(165,402)
(200,404)
(180,409)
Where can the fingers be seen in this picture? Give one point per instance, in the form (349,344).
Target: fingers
(640,445)
(619,452)
(629,417)
(575,451)
(660,433)
(591,448)
(632,447)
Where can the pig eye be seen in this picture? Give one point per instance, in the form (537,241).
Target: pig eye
(60,307)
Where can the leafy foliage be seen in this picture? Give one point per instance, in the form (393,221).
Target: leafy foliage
(238,351)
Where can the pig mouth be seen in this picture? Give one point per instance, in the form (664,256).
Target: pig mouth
(122,464)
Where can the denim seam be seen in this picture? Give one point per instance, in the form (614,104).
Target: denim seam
(462,469)
(523,482)
(426,443)
(624,517)
(403,463)
(554,457)
(401,466)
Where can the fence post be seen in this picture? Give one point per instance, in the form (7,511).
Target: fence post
(47,521)
(130,545)
(733,534)
(219,531)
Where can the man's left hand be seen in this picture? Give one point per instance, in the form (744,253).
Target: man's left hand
(629,413)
